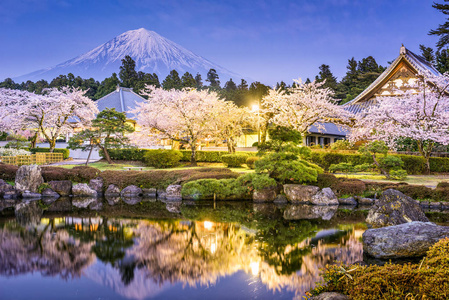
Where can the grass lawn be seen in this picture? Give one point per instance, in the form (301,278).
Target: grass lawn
(427,180)
(103,166)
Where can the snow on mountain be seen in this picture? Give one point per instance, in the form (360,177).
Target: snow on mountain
(152,53)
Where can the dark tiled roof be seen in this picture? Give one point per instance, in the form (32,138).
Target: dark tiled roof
(329,129)
(122,99)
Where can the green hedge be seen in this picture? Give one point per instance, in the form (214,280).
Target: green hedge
(65,152)
(412,164)
(201,156)
(234,160)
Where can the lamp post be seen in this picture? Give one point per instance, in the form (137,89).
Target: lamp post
(256,108)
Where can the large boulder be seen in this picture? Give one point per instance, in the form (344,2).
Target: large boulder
(29,178)
(173,192)
(97,185)
(324,197)
(84,202)
(83,190)
(131,191)
(62,187)
(300,194)
(406,240)
(264,195)
(347,201)
(48,192)
(394,208)
(112,191)
(308,212)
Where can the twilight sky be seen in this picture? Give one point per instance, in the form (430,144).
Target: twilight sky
(268,41)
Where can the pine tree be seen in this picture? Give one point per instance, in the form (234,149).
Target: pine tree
(172,81)
(188,80)
(243,86)
(442,61)
(128,74)
(326,74)
(427,53)
(108,85)
(230,85)
(212,78)
(199,81)
(443,29)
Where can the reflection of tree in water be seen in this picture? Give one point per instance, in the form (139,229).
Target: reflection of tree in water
(48,251)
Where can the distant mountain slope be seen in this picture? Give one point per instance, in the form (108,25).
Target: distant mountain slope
(152,53)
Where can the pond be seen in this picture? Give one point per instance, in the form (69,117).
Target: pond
(154,250)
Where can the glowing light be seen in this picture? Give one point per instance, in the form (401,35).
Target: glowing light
(254,268)
(208,225)
(213,248)
(255,108)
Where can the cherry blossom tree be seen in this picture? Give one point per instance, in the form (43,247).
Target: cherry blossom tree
(185,115)
(302,106)
(422,116)
(55,112)
(229,122)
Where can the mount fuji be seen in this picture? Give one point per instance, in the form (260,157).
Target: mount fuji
(151,52)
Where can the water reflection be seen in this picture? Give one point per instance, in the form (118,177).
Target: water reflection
(140,258)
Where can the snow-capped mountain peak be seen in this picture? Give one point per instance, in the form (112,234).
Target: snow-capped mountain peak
(151,52)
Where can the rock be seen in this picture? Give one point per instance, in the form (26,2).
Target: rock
(112,191)
(28,213)
(62,187)
(444,205)
(280,199)
(300,194)
(97,205)
(324,197)
(150,193)
(48,192)
(406,240)
(83,202)
(330,296)
(173,192)
(394,208)
(264,195)
(131,191)
(347,201)
(161,194)
(131,200)
(97,185)
(424,204)
(365,201)
(6,203)
(308,212)
(7,191)
(435,205)
(83,190)
(30,195)
(29,178)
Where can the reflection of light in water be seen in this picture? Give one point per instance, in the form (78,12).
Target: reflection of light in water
(213,248)
(254,265)
(208,225)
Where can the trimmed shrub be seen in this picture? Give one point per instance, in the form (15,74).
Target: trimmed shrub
(77,174)
(439,164)
(126,154)
(342,167)
(161,178)
(416,191)
(327,180)
(162,158)
(234,160)
(350,187)
(65,152)
(398,174)
(202,189)
(8,172)
(251,161)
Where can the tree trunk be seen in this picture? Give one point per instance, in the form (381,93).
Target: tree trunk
(52,145)
(106,155)
(382,170)
(426,154)
(88,157)
(33,141)
(192,157)
(230,144)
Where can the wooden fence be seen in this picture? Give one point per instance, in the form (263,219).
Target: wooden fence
(33,159)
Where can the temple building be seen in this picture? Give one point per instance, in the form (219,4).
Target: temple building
(399,77)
